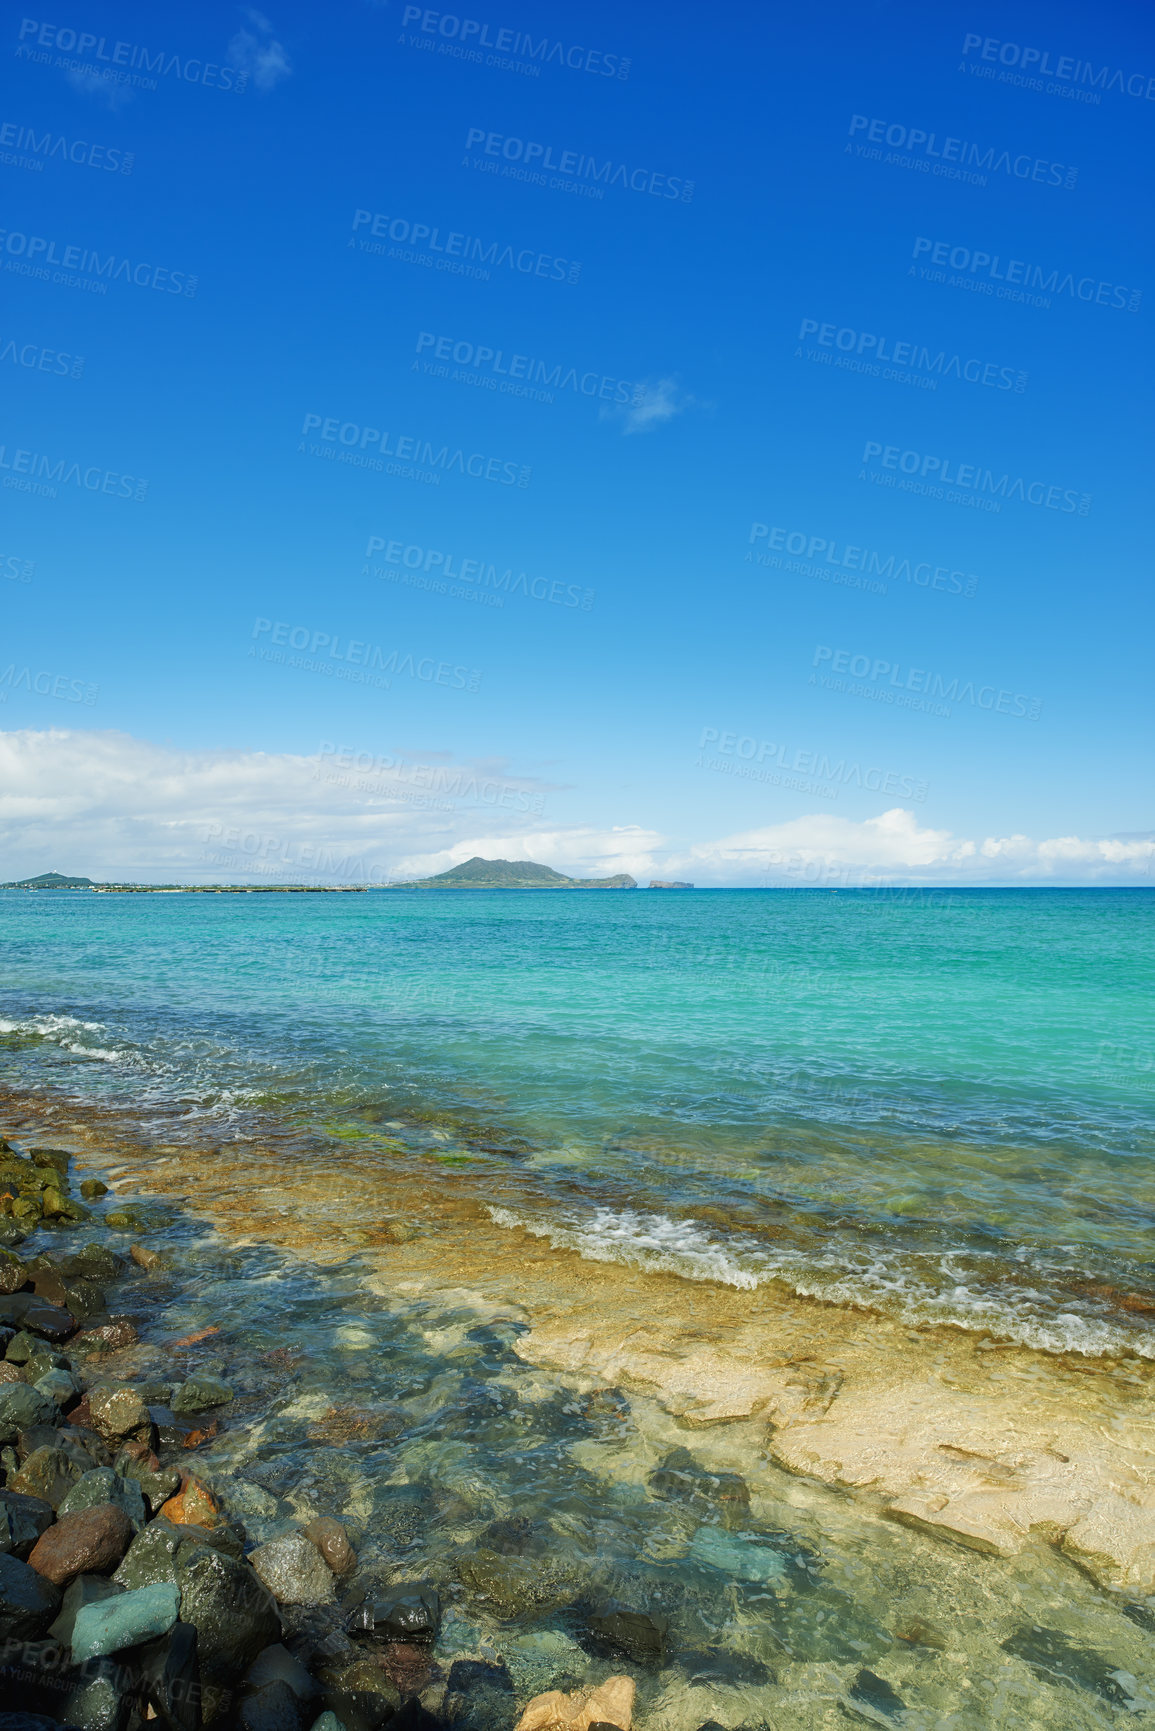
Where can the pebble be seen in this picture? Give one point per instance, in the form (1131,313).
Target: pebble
(86,1543)
(332,1541)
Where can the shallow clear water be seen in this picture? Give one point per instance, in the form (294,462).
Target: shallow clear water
(940,1103)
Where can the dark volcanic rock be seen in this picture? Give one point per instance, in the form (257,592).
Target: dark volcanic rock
(1056,1659)
(169,1679)
(109,1335)
(361,1695)
(511,1586)
(21,1406)
(233,1614)
(407,1612)
(294,1570)
(22,1520)
(35,1315)
(87,1543)
(870,1690)
(28,1603)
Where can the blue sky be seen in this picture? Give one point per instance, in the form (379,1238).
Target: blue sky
(851,282)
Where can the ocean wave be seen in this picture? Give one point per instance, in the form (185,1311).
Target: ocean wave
(659,1244)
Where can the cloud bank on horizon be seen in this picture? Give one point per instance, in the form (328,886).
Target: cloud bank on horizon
(115,808)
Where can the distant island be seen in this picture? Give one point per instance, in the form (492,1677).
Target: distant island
(57,881)
(673,884)
(508,874)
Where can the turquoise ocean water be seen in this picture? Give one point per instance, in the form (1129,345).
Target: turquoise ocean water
(938,1103)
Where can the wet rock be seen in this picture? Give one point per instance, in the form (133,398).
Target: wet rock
(146,1258)
(611,1703)
(234,1614)
(117,1411)
(294,1570)
(175,1432)
(104,1697)
(30,1677)
(513,1536)
(278,1692)
(169,1680)
(83,1446)
(124,1620)
(60,1386)
(108,1336)
(47,1474)
(277,1665)
(273,1708)
(22,1520)
(21,1406)
(636,1633)
(96,1261)
(28,1602)
(156,1487)
(11,1372)
(54,1159)
(27,1311)
(87,1543)
(84,1590)
(410,1611)
(1056,1659)
(13,1273)
(199,1392)
(332,1541)
(21,1345)
(58,1206)
(194,1505)
(103,1485)
(361,1695)
(479,1695)
(151,1555)
(327,1722)
(91,1188)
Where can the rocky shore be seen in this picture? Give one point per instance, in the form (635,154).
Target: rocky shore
(303,1439)
(130,1592)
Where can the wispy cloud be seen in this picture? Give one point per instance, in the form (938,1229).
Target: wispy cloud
(655,402)
(107,91)
(255,50)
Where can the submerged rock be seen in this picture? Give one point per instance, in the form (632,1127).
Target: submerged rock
(199,1392)
(611,1703)
(637,1633)
(294,1570)
(871,1697)
(406,1612)
(332,1541)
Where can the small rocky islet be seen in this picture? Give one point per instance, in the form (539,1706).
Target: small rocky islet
(130,1592)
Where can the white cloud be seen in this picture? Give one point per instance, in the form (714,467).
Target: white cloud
(107,91)
(657,401)
(893,849)
(257,52)
(108,806)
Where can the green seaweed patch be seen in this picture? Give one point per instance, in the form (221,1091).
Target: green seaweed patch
(456,1159)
